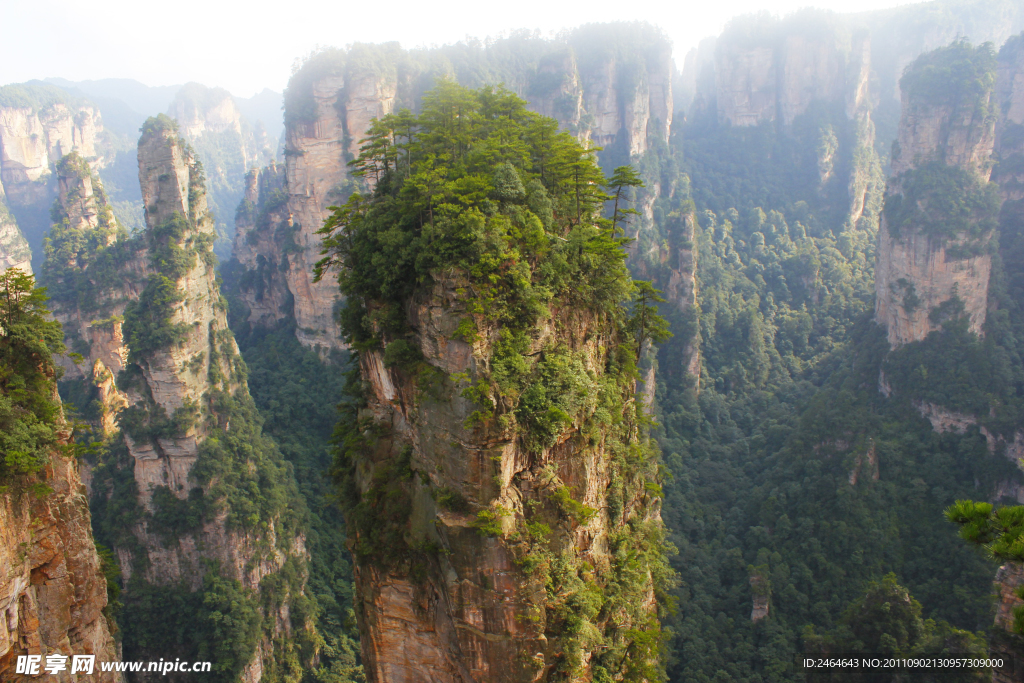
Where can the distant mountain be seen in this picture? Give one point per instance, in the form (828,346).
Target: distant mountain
(266,107)
(145,99)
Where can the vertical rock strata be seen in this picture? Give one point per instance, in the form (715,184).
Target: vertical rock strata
(147,311)
(38,126)
(264,235)
(616,98)
(209,119)
(933,244)
(1009,150)
(499,484)
(769,71)
(52,591)
(14,249)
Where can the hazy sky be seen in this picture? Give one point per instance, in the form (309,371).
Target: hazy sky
(247,46)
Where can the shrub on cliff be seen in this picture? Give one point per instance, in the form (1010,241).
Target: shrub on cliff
(30,411)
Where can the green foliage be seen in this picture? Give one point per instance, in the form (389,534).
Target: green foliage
(999,530)
(296,393)
(452,206)
(945,203)
(241,470)
(886,621)
(111,570)
(959,75)
(174,517)
(435,207)
(771,460)
(37,97)
(575,510)
(220,623)
(147,320)
(623,178)
(159,124)
(30,414)
(646,325)
(488,522)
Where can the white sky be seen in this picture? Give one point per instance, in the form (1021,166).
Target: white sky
(247,46)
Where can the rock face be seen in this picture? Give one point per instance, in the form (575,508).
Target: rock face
(52,592)
(228,145)
(919,271)
(91,310)
(807,72)
(478,611)
(38,126)
(1009,578)
(769,71)
(613,99)
(148,311)
(1009,151)
(14,249)
(260,248)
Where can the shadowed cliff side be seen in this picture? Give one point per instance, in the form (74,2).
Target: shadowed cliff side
(39,124)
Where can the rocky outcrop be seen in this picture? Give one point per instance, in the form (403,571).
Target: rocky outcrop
(85,301)
(766,70)
(806,73)
(316,153)
(617,98)
(14,249)
(38,126)
(1009,148)
(227,144)
(52,591)
(165,370)
(921,270)
(477,609)
(1005,642)
(264,234)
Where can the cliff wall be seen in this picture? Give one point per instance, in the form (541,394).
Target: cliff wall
(14,249)
(38,126)
(228,145)
(1009,147)
(925,262)
(52,591)
(163,366)
(766,70)
(485,478)
(614,97)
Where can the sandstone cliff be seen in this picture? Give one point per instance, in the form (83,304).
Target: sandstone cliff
(52,591)
(38,126)
(228,145)
(808,73)
(477,607)
(264,238)
(147,311)
(497,476)
(14,249)
(1009,147)
(767,70)
(604,92)
(929,260)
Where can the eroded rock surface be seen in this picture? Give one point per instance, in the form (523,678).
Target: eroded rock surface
(52,591)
